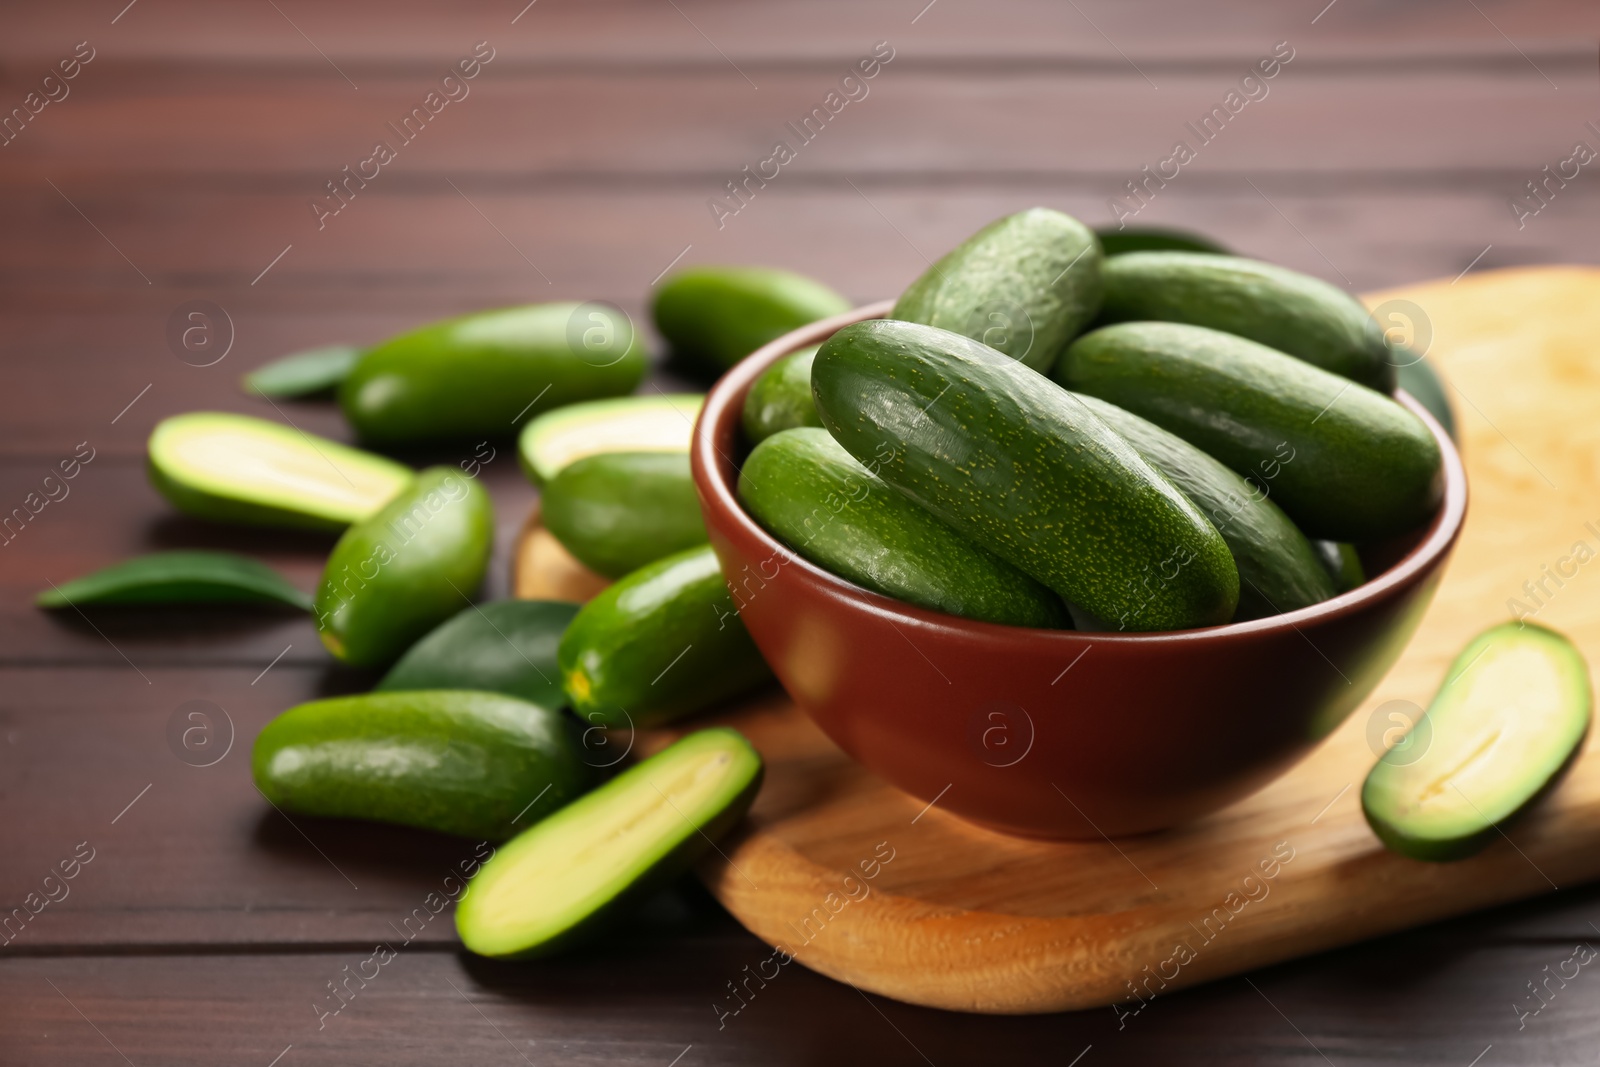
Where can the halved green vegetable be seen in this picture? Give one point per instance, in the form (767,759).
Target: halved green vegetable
(234,468)
(402,572)
(507,646)
(1117,242)
(477,764)
(1513,709)
(618,511)
(316,370)
(182,577)
(781,398)
(662,423)
(661,643)
(563,878)
(713,317)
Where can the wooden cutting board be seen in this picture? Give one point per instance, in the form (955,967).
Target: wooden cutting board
(870,886)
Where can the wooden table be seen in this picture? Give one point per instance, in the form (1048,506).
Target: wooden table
(181,163)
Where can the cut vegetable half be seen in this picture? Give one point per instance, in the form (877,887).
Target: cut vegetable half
(179,578)
(1513,709)
(660,423)
(316,370)
(562,878)
(235,468)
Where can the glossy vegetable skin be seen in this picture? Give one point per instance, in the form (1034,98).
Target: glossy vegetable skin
(476,764)
(656,423)
(581,868)
(663,642)
(505,646)
(1345,462)
(1026,472)
(712,317)
(402,572)
(617,511)
(181,577)
(1025,285)
(781,398)
(482,375)
(815,497)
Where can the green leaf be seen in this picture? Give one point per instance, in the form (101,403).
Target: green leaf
(188,577)
(315,370)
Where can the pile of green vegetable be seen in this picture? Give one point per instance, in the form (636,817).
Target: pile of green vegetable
(1042,434)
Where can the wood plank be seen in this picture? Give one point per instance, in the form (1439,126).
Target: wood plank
(1405,1001)
(637,31)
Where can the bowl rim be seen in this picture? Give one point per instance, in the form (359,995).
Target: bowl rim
(715,475)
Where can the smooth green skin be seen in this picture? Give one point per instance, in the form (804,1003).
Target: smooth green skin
(1024,285)
(1344,462)
(480,375)
(1119,242)
(258,501)
(811,494)
(1385,796)
(781,398)
(316,370)
(1418,377)
(654,862)
(1279,570)
(605,426)
(623,659)
(467,763)
(404,571)
(1342,563)
(617,511)
(713,317)
(184,577)
(1025,471)
(506,646)
(1274,306)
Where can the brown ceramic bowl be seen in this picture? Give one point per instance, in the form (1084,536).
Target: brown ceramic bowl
(1057,733)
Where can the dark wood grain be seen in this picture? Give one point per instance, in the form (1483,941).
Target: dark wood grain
(207,924)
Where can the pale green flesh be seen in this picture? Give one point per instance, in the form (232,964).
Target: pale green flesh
(558,873)
(253,461)
(1513,707)
(630,424)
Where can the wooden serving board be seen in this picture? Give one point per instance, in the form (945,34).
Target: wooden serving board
(870,886)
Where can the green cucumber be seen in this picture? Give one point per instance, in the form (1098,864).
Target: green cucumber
(476,764)
(1024,285)
(234,468)
(812,495)
(1511,714)
(582,867)
(661,643)
(1025,471)
(507,646)
(1271,305)
(1120,241)
(617,511)
(712,317)
(1342,562)
(480,375)
(1279,570)
(781,398)
(316,370)
(1418,377)
(405,570)
(182,577)
(1346,463)
(659,423)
